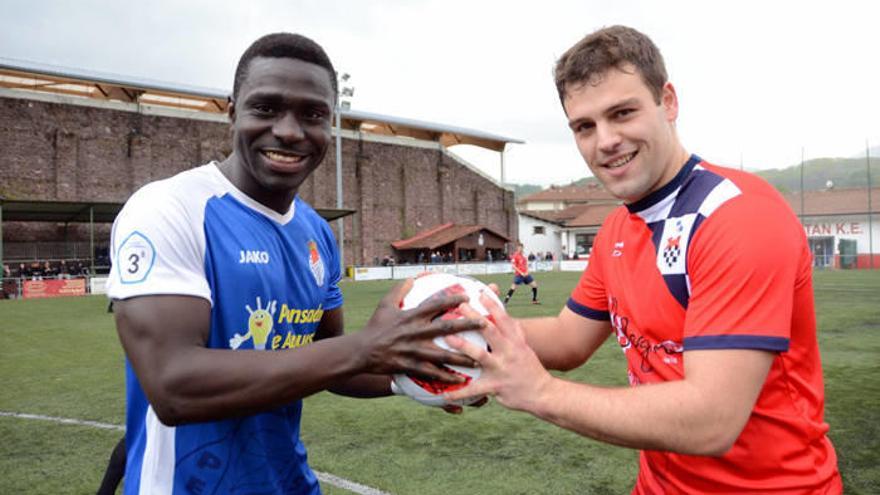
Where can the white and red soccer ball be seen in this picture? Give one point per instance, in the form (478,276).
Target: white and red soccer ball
(426,286)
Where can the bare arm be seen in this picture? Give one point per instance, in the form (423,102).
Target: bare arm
(566,341)
(362,385)
(164,337)
(702,414)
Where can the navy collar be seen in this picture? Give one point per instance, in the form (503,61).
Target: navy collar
(658,195)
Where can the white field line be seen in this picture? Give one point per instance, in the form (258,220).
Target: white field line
(323,477)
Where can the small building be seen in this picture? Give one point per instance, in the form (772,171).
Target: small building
(842,226)
(563,220)
(450,242)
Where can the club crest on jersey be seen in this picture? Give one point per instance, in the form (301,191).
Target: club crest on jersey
(316,263)
(672,251)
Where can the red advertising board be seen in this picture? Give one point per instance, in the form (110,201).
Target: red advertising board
(53,288)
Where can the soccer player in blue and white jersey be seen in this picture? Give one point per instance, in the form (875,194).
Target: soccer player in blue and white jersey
(225,290)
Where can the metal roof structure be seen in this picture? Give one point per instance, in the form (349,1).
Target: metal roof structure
(32,76)
(91,211)
(25,75)
(446,135)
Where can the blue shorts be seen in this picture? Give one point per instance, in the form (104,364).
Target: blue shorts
(520,279)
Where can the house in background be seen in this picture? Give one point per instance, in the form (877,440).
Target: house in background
(563,220)
(841,225)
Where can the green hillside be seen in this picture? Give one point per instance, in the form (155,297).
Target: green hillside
(842,172)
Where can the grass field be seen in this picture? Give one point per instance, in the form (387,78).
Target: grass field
(61,358)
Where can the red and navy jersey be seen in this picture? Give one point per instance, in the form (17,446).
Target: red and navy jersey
(520,264)
(716,259)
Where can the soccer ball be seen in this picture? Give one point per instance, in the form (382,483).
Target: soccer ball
(426,286)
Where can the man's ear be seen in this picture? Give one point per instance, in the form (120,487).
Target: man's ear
(669,100)
(230,109)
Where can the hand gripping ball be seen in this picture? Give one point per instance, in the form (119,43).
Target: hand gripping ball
(426,286)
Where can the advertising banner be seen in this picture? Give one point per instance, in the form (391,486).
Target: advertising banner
(53,288)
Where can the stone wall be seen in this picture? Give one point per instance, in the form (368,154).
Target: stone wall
(54,151)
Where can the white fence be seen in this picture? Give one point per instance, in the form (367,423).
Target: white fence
(406,271)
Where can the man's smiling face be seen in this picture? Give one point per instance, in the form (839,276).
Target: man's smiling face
(281,125)
(627,139)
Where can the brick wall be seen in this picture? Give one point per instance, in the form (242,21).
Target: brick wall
(57,151)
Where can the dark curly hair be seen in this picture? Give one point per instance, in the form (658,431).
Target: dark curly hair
(283,45)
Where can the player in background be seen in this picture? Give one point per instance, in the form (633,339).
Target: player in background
(521,275)
(703,277)
(225,290)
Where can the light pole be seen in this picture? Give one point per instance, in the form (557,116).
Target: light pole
(345,91)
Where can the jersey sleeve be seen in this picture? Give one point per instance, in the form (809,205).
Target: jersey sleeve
(333,299)
(157,247)
(588,298)
(743,268)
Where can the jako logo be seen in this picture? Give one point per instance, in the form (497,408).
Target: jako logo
(248,256)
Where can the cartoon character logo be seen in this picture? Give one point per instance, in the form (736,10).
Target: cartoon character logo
(259,326)
(315,263)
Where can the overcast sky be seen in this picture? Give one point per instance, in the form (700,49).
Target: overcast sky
(756,80)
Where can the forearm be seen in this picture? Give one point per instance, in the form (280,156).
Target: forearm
(364,385)
(200,384)
(563,343)
(671,416)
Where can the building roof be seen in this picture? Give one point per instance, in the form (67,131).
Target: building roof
(34,76)
(441,235)
(446,135)
(543,215)
(593,216)
(29,76)
(583,215)
(834,201)
(816,203)
(95,211)
(588,193)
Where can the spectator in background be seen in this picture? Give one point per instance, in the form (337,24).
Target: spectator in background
(36,271)
(49,271)
(63,270)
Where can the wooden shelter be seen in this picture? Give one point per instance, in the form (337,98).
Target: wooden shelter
(452,243)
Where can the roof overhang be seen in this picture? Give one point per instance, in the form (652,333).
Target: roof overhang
(444,134)
(44,78)
(97,212)
(25,75)
(58,211)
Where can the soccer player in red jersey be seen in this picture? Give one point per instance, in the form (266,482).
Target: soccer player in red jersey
(521,275)
(704,279)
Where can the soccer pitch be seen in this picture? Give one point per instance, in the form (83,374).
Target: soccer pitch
(61,358)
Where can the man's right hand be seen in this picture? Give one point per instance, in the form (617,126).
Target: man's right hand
(401,341)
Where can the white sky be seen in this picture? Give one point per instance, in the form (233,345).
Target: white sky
(756,80)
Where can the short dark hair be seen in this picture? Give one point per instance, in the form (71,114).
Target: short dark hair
(611,47)
(283,45)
